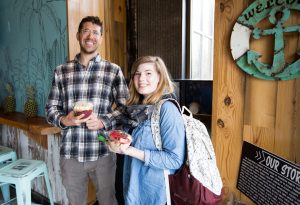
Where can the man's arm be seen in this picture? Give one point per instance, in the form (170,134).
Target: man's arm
(121,94)
(54,107)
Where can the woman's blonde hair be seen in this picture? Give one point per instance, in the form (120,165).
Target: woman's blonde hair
(165,85)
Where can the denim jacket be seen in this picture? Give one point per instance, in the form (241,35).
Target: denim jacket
(143,182)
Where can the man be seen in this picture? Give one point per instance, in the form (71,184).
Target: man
(87,78)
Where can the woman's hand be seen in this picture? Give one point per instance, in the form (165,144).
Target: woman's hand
(119,147)
(126,149)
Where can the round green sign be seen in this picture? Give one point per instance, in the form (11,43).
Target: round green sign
(277,12)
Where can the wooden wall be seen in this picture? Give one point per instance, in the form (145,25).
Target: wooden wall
(264,113)
(113,14)
(113,48)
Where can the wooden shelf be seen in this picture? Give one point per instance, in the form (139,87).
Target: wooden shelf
(35,125)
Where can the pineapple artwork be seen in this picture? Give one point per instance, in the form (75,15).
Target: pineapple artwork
(30,107)
(10,100)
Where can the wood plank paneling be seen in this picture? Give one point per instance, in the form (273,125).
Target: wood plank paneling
(115,20)
(113,48)
(228,82)
(284,119)
(296,127)
(76,10)
(113,15)
(264,113)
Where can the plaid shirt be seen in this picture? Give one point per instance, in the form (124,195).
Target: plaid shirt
(101,83)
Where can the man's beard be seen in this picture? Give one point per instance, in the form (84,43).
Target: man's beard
(83,50)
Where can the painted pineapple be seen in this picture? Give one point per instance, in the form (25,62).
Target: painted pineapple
(9,101)
(30,107)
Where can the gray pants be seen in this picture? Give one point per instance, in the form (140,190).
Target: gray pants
(102,173)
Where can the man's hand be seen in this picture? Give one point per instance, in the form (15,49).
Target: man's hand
(93,123)
(72,120)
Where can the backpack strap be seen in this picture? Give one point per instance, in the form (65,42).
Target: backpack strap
(155,118)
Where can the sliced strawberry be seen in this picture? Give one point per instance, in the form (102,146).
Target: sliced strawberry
(119,135)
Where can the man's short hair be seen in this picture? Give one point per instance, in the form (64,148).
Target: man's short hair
(94,19)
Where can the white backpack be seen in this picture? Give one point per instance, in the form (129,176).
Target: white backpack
(200,157)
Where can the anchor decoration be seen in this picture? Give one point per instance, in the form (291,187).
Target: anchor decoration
(277,12)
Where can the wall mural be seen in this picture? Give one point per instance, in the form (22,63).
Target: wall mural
(33,41)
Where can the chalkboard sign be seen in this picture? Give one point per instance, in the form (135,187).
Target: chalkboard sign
(268,179)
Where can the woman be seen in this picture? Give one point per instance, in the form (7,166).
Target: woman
(144,164)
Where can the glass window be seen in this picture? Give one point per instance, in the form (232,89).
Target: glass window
(201,39)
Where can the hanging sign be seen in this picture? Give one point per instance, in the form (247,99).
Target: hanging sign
(277,12)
